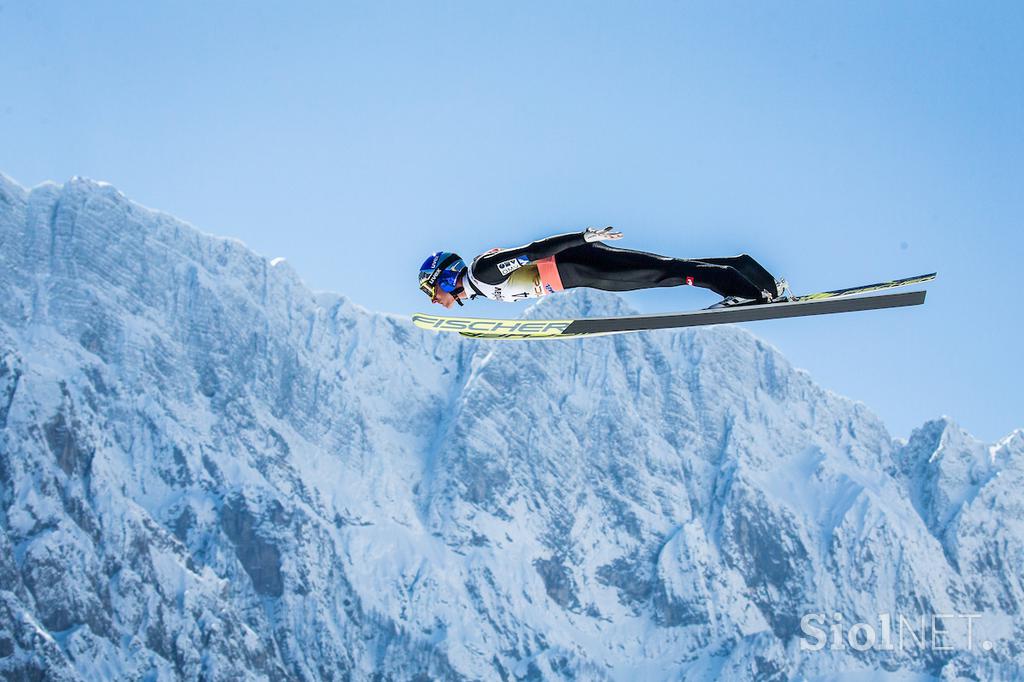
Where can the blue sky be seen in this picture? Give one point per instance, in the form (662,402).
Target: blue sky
(839,143)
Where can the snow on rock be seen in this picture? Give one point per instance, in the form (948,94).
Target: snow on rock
(209,472)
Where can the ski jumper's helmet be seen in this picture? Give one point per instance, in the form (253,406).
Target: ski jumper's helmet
(441,270)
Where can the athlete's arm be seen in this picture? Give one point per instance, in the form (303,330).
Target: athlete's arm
(495,267)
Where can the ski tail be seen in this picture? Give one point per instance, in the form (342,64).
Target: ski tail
(867,288)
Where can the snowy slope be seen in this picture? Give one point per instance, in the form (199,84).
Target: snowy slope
(208,471)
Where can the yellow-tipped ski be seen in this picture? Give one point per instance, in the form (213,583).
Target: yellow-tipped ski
(481,327)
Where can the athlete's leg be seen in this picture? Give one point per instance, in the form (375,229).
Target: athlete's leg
(604,267)
(750,269)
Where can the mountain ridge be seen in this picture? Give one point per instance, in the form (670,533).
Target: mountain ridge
(210,471)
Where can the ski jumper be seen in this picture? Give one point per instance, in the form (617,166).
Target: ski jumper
(567,261)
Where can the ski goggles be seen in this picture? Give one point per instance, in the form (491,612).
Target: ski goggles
(444,275)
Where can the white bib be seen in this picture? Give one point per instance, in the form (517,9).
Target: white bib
(524,282)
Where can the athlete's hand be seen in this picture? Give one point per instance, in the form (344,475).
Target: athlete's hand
(605,234)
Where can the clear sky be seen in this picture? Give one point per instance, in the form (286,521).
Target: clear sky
(838,143)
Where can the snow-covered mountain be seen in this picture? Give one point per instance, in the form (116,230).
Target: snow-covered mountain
(209,472)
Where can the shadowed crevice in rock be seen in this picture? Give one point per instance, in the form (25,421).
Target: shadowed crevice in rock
(260,557)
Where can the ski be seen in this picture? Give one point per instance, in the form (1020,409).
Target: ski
(823,303)
(866,288)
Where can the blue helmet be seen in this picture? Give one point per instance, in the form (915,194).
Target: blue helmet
(441,270)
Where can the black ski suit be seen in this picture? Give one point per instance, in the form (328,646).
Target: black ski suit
(577,263)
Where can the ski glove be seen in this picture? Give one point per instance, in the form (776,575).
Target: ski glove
(592,234)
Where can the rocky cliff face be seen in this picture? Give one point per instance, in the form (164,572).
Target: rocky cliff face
(207,471)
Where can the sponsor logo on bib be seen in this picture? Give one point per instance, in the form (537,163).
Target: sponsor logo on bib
(507,267)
